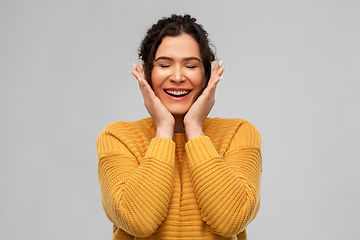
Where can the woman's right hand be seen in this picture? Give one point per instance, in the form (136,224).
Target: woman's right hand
(163,119)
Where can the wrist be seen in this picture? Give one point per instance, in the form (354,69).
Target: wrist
(165,132)
(193,132)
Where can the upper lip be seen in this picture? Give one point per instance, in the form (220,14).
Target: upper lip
(177,89)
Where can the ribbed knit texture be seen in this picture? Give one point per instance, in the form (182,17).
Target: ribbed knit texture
(155,188)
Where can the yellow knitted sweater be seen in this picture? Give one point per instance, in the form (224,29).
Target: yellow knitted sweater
(155,188)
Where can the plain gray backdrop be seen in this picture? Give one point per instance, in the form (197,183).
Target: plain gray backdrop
(293,70)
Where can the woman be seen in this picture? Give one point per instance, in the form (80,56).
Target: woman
(179,174)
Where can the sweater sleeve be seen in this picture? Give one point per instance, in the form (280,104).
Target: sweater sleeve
(135,196)
(227,188)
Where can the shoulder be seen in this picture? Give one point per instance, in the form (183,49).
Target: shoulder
(134,136)
(121,129)
(229,126)
(224,132)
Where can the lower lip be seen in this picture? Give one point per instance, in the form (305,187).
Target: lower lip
(177,98)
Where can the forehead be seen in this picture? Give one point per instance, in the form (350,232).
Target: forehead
(181,46)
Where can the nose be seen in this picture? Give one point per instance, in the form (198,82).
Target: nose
(177,75)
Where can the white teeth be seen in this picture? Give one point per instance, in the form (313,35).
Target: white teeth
(177,93)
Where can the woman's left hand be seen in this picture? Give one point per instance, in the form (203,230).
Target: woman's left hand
(198,112)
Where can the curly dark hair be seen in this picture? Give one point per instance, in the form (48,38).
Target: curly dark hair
(174,26)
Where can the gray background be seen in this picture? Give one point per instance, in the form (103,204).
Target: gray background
(293,70)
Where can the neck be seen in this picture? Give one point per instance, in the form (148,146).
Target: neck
(179,124)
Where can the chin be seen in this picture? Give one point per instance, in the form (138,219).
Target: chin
(178,113)
(178,109)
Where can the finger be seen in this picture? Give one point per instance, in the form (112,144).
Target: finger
(145,88)
(218,70)
(137,72)
(211,88)
(137,76)
(216,74)
(138,69)
(215,70)
(217,65)
(214,83)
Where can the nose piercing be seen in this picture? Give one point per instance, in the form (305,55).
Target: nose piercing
(171,78)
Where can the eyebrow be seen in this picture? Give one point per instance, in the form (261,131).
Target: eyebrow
(171,59)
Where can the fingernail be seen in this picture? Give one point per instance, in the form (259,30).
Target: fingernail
(220,78)
(134,65)
(220,63)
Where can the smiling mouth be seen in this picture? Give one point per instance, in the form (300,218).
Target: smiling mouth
(177,93)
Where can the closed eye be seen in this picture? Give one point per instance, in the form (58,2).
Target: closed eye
(191,66)
(164,66)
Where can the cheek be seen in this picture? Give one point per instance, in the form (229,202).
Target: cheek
(156,77)
(157,80)
(197,79)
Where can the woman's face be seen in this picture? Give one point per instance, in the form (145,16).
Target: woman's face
(177,75)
